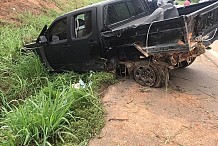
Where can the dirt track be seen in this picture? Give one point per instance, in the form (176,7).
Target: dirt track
(184,113)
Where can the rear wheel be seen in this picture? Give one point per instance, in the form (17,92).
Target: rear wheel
(145,75)
(150,74)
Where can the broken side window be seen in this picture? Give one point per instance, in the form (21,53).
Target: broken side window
(83,24)
(58,30)
(120,11)
(117,12)
(135,7)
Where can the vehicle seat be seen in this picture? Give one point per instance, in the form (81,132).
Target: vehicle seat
(80,28)
(170,11)
(166,11)
(81,33)
(157,15)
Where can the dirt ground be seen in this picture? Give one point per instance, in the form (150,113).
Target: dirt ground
(9,9)
(184,113)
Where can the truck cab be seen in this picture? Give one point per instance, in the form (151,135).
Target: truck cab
(73,42)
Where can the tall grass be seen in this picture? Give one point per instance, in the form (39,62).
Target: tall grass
(46,118)
(23,77)
(40,108)
(20,74)
(57,113)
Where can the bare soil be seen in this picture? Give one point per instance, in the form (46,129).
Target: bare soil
(9,9)
(183,113)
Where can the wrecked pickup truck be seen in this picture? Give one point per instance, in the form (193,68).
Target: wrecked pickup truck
(115,35)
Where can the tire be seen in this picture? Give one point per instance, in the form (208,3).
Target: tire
(149,74)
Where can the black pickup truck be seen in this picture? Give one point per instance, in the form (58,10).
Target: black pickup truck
(115,35)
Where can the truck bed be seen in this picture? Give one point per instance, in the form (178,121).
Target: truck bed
(180,34)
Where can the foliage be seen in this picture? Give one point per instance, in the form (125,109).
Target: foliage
(98,79)
(38,107)
(55,113)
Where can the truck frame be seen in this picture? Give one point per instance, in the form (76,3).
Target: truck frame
(147,51)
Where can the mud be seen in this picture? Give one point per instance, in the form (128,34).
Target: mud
(183,113)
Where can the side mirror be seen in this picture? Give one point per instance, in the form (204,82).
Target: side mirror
(43,39)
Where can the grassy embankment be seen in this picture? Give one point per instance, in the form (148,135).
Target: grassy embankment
(39,108)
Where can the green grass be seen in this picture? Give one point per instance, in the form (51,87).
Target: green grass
(40,108)
(20,74)
(57,113)
(52,116)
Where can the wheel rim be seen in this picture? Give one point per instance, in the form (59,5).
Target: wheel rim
(145,75)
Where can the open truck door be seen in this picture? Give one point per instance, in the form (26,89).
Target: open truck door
(57,41)
(73,42)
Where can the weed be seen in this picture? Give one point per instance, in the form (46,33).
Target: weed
(39,108)
(51,115)
(99,79)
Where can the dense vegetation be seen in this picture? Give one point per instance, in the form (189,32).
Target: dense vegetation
(38,107)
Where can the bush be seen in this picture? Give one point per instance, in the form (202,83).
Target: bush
(51,116)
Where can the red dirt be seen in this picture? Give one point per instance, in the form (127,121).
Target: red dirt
(183,114)
(10,8)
